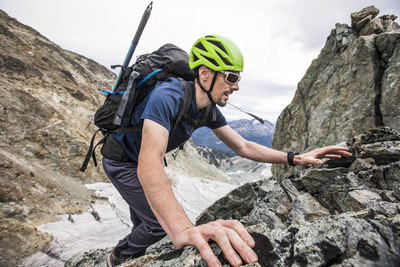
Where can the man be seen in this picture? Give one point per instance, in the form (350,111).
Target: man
(141,178)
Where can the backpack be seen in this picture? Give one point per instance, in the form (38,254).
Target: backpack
(136,83)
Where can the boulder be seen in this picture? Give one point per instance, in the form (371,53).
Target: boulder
(389,24)
(374,26)
(368,12)
(352,86)
(307,208)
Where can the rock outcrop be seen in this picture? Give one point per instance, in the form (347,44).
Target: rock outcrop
(344,213)
(47,95)
(353,86)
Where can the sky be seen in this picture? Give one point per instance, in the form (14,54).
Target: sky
(278,38)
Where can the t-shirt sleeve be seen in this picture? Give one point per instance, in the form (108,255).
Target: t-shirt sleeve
(219,122)
(163,106)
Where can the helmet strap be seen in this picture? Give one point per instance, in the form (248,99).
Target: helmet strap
(211,86)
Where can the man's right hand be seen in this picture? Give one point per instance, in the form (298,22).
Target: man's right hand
(230,235)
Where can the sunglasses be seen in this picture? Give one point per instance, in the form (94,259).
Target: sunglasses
(231,77)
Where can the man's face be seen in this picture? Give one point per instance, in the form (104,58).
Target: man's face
(223,89)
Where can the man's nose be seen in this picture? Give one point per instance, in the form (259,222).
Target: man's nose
(235,86)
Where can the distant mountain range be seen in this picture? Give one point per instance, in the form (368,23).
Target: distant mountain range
(251,130)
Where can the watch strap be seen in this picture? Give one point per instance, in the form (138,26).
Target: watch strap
(290,157)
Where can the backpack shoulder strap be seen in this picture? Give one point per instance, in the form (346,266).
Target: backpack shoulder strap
(187,102)
(197,123)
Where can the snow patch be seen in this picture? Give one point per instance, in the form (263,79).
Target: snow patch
(108,220)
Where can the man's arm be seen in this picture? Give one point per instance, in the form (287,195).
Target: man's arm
(261,153)
(230,235)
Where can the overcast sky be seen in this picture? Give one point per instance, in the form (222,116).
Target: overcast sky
(278,38)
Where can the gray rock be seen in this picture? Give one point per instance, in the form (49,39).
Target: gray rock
(362,23)
(343,32)
(362,164)
(388,22)
(360,199)
(236,204)
(356,17)
(312,179)
(307,208)
(383,209)
(388,195)
(89,259)
(290,190)
(384,177)
(325,242)
(381,153)
(262,201)
(387,44)
(390,88)
(328,106)
(374,26)
(335,194)
(375,135)
(323,110)
(271,206)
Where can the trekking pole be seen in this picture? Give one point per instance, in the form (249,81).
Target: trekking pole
(134,43)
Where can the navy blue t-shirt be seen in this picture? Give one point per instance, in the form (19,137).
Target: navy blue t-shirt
(162,105)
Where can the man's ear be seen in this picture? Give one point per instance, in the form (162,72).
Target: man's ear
(204,73)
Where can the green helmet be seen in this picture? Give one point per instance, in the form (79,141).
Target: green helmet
(217,53)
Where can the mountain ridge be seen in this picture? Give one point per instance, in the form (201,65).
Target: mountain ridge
(251,130)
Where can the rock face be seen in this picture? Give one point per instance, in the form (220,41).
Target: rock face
(47,94)
(344,213)
(353,86)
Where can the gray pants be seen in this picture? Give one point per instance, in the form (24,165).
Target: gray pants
(146,229)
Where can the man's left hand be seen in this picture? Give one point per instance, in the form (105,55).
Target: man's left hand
(314,157)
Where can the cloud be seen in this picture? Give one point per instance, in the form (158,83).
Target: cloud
(278,38)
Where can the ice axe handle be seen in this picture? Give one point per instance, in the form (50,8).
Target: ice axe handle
(134,43)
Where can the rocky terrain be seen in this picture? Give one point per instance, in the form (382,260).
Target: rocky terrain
(47,95)
(343,213)
(353,86)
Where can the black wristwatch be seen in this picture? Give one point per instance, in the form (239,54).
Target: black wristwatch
(290,157)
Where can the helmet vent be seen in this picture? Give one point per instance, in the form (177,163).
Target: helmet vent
(224,59)
(200,46)
(219,45)
(195,58)
(211,60)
